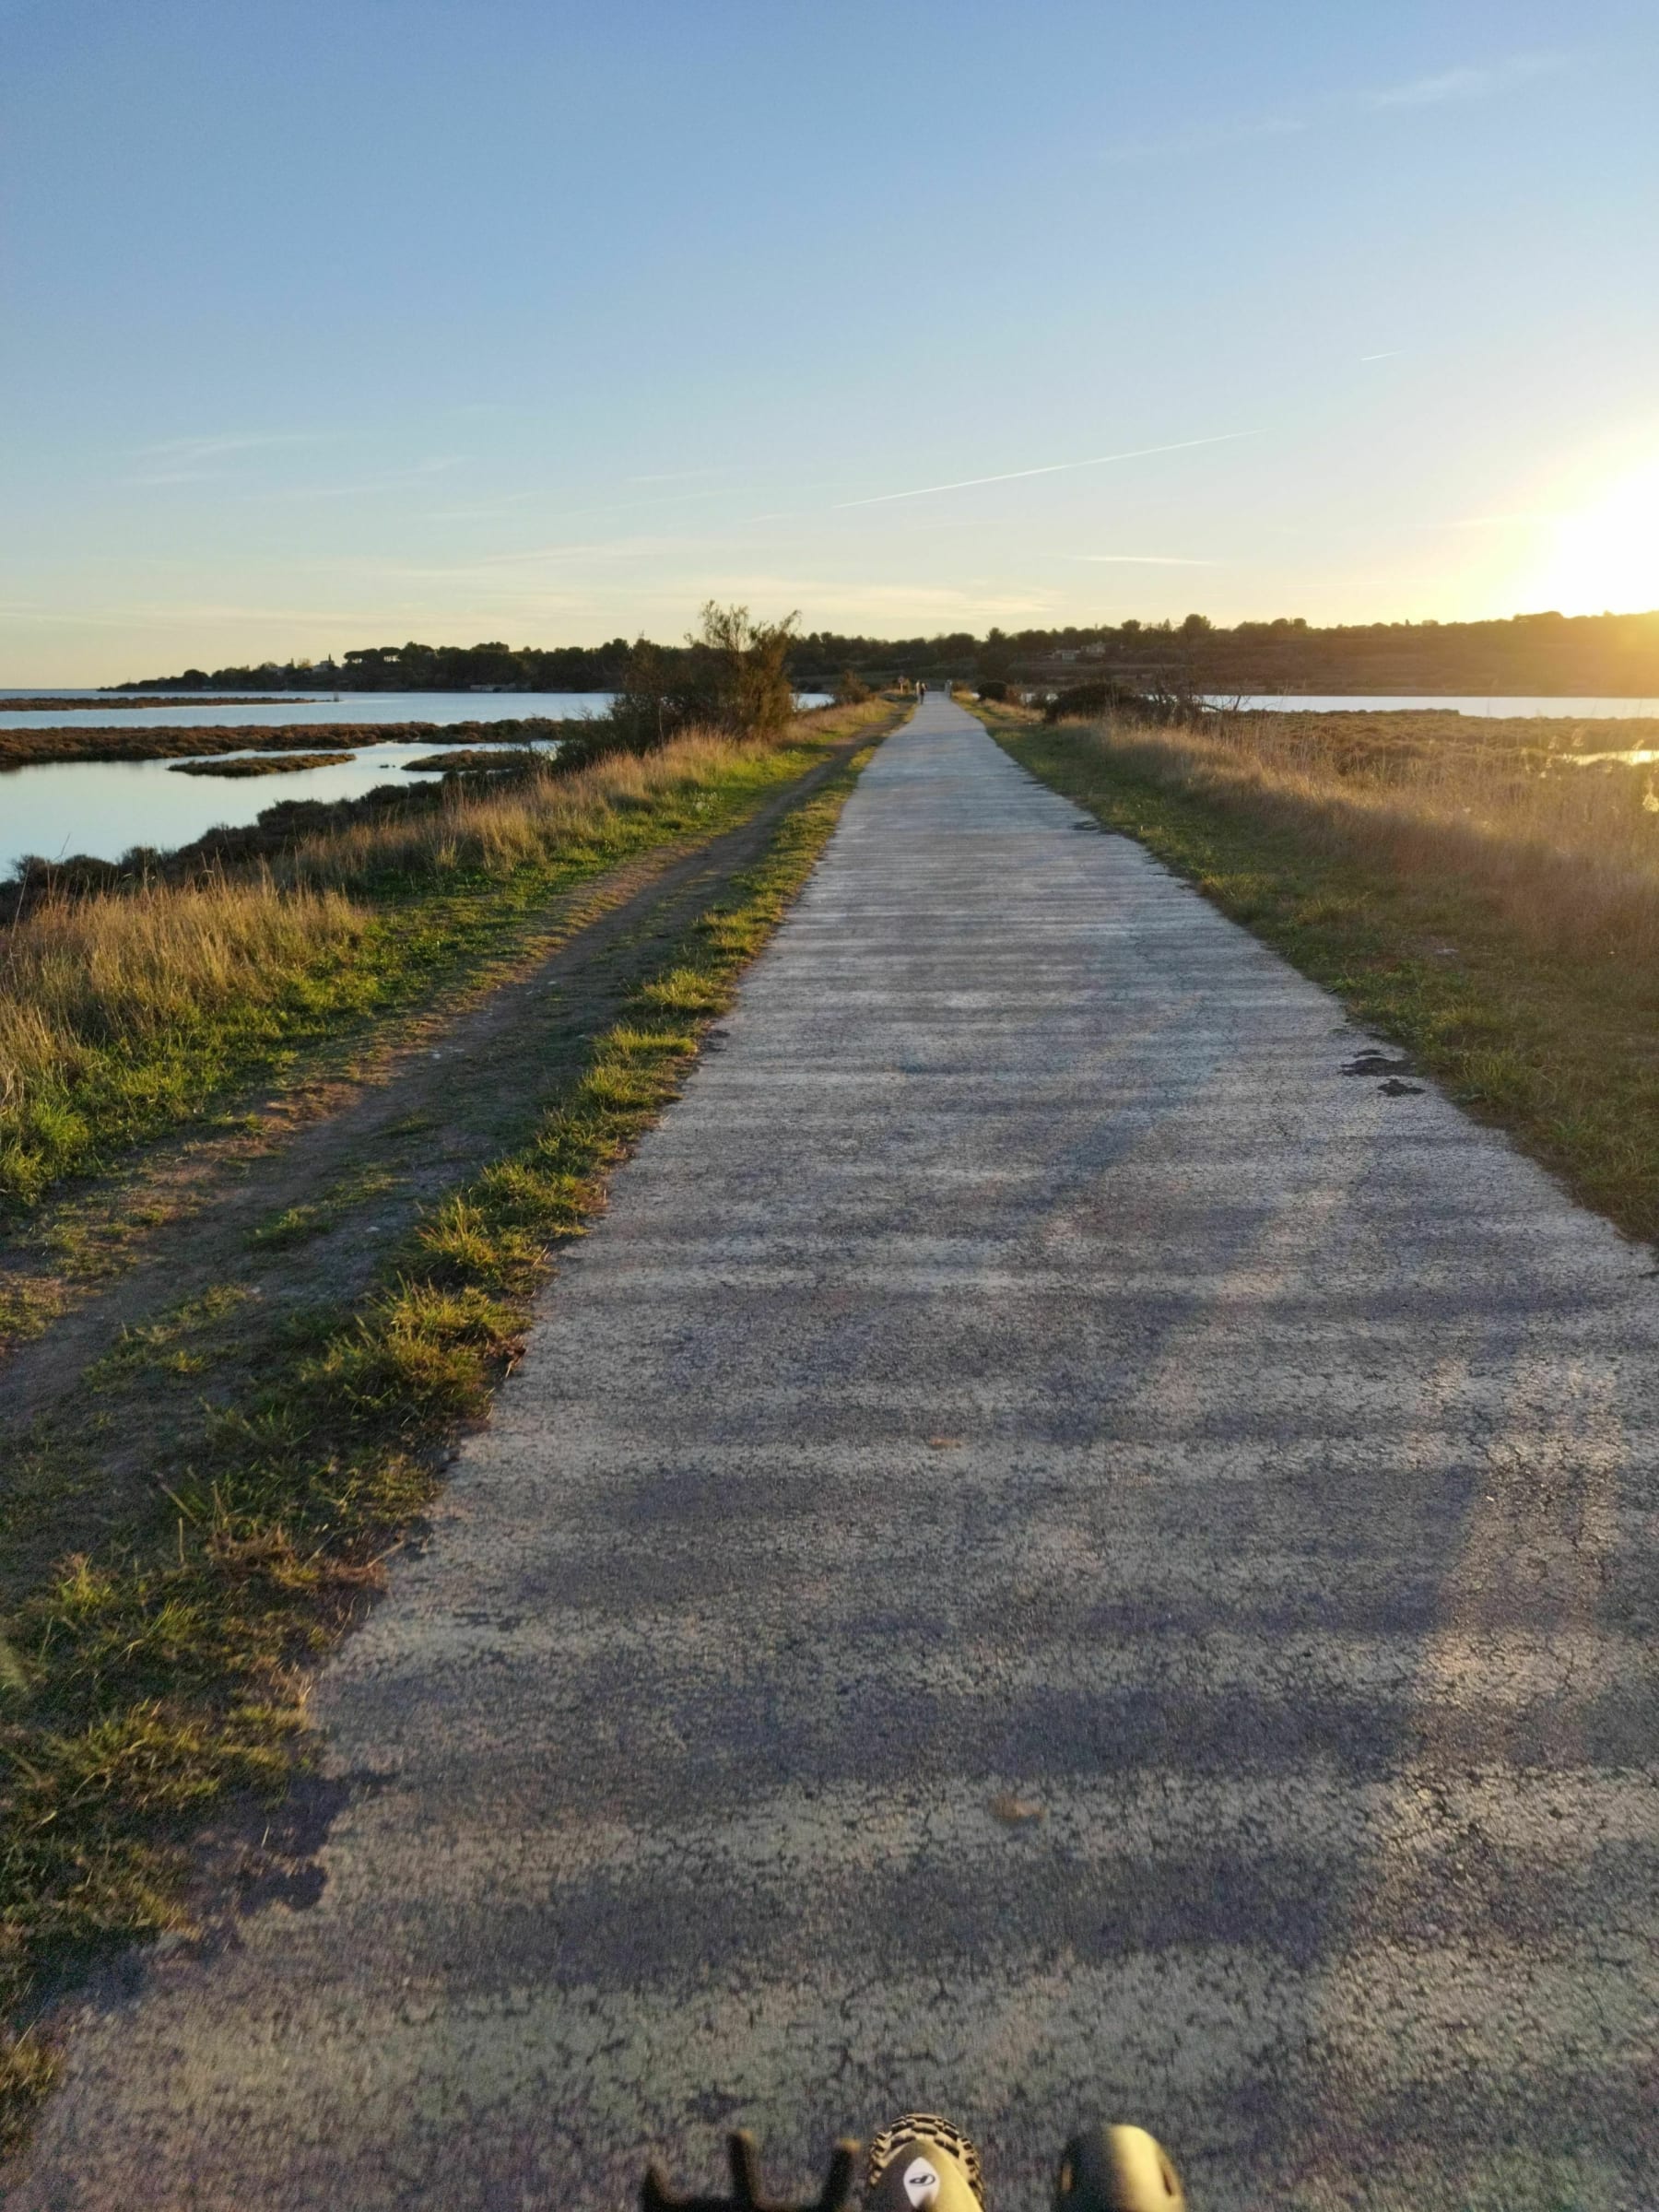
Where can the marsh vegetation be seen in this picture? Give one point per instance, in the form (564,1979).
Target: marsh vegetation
(92,702)
(240,768)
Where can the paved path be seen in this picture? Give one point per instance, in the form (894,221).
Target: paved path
(1023,1375)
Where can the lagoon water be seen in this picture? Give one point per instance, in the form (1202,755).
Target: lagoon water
(102,808)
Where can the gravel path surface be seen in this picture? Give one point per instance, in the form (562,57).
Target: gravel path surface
(1055,1552)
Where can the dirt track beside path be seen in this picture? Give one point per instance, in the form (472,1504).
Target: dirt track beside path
(348,1154)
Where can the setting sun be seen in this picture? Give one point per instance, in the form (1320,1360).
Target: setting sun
(1605,554)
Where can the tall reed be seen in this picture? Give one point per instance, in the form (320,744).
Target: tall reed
(1564,850)
(103,1000)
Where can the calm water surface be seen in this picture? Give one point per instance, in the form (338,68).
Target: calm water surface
(104,808)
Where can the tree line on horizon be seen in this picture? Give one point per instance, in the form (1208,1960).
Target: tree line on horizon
(1616,655)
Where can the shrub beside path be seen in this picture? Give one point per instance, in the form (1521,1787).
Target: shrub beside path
(1071,1542)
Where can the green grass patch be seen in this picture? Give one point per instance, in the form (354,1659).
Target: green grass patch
(27,1310)
(171,1345)
(149,1683)
(315,1218)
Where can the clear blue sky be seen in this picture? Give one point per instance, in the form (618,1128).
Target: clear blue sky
(330,324)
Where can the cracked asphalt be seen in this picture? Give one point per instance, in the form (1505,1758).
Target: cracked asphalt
(1054,1553)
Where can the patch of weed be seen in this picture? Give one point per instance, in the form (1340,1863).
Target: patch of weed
(27,1310)
(298,1224)
(170,1345)
(411,1124)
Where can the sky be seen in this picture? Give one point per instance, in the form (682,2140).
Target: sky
(324,325)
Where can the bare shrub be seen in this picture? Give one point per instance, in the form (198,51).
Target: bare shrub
(732,675)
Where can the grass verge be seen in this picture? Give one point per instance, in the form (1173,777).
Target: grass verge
(147,1685)
(125,1014)
(1497,921)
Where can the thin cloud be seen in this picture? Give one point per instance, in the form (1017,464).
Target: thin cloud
(1447,87)
(875,598)
(492,566)
(163,613)
(1392,354)
(1476,83)
(173,476)
(552,500)
(189,460)
(185,452)
(486,510)
(674,476)
(217,611)
(1051,468)
(393,480)
(1148,560)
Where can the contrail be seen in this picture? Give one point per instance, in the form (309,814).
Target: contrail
(1148,560)
(1053,468)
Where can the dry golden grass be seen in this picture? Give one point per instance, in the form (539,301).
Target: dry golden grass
(494,831)
(1480,891)
(122,1011)
(1563,845)
(94,978)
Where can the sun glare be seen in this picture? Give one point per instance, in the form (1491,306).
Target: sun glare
(1606,556)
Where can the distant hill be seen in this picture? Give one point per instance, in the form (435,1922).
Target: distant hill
(1617,655)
